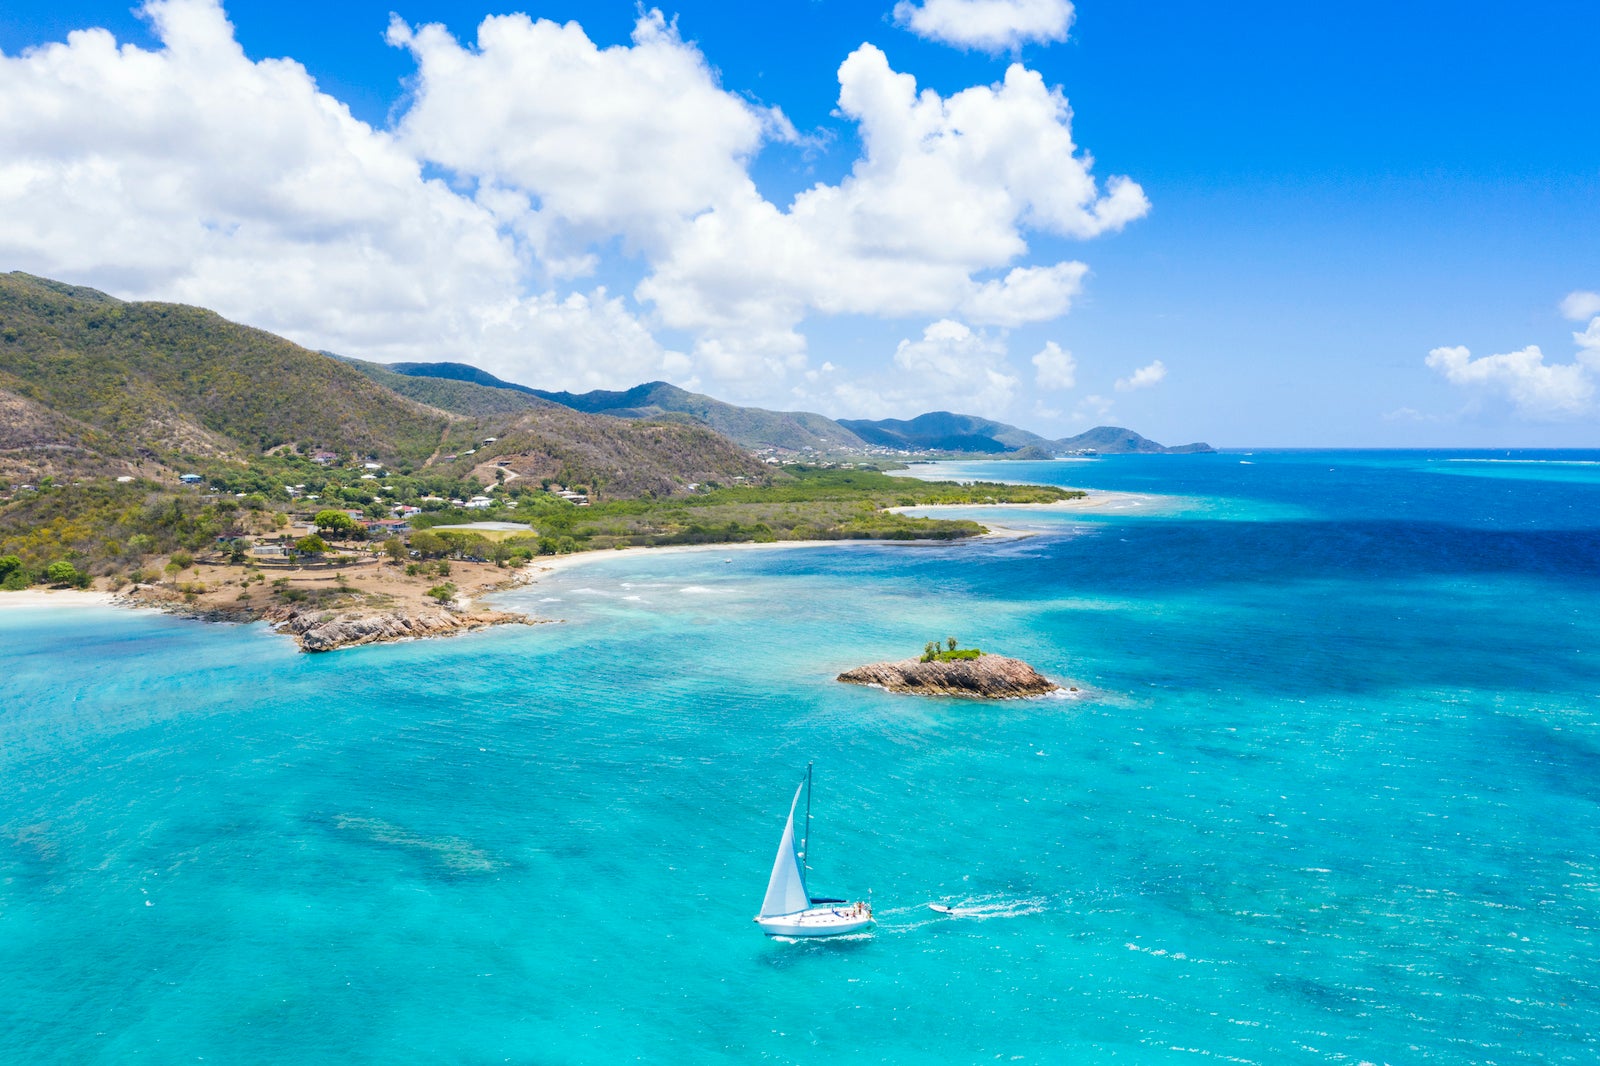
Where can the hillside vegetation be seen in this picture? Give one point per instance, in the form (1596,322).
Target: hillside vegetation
(457,395)
(163,382)
(944,431)
(753,428)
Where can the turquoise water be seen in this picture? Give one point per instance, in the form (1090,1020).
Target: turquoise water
(1330,794)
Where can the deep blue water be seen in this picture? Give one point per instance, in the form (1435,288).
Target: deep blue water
(1330,794)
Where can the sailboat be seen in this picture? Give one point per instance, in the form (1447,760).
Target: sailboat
(788,909)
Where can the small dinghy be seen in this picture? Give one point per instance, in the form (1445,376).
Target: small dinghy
(789,909)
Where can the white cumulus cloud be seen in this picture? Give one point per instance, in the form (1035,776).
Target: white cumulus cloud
(1589,340)
(1581,305)
(1535,389)
(950,367)
(989,25)
(1054,367)
(1143,378)
(626,140)
(946,189)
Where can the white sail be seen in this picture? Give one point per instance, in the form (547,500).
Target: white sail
(786,891)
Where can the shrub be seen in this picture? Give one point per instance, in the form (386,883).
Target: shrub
(443,593)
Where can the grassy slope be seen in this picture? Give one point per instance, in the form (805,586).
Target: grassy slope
(621,457)
(163,380)
(450,394)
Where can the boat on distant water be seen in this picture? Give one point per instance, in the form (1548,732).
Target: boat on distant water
(789,909)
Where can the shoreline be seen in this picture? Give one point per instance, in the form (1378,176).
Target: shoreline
(1094,500)
(530,573)
(540,566)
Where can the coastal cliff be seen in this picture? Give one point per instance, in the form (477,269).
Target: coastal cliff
(992,677)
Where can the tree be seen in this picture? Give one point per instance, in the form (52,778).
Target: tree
(312,545)
(395,549)
(61,573)
(950,642)
(335,522)
(12,574)
(429,543)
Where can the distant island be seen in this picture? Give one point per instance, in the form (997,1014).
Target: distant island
(955,671)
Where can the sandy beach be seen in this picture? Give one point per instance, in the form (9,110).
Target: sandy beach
(549,564)
(56,598)
(1094,501)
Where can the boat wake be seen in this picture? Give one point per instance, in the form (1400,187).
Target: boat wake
(972,908)
(999,905)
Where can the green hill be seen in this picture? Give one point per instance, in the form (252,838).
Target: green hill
(944,432)
(462,396)
(1114,440)
(620,458)
(166,382)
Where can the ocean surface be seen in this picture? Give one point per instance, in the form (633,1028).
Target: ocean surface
(1329,793)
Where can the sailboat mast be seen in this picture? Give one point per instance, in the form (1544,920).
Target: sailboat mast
(805,847)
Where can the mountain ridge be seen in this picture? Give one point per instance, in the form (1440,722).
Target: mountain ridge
(761,429)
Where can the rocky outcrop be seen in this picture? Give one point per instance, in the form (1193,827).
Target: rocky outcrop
(992,677)
(322,630)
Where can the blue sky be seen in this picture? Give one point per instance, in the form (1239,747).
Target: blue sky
(1342,225)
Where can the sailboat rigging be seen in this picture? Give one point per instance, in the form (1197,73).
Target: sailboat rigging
(788,908)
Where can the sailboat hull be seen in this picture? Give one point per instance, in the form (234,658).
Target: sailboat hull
(819,922)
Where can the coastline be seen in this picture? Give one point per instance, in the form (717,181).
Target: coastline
(1093,500)
(347,627)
